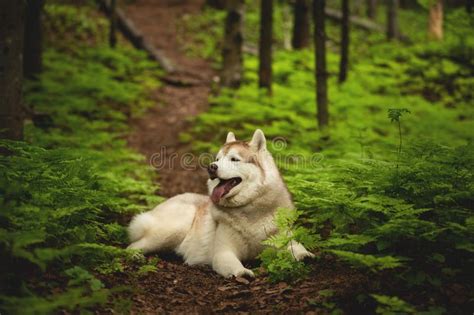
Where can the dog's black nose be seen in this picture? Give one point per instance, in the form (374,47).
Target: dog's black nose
(212,170)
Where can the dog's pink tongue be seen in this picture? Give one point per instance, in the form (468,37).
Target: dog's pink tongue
(218,193)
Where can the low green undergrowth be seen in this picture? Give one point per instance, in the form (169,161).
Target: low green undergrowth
(389,194)
(277,258)
(67,191)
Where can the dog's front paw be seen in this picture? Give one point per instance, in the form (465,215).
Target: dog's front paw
(244,272)
(299,256)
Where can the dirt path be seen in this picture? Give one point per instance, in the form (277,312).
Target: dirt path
(184,94)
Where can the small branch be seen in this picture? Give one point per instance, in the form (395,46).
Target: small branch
(400,136)
(358,21)
(361,22)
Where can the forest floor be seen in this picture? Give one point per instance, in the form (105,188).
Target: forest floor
(176,287)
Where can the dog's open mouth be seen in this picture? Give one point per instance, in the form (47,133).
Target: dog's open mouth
(223,188)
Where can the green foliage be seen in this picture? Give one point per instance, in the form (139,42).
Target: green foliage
(426,3)
(325,300)
(79,277)
(373,262)
(396,113)
(277,257)
(66,192)
(67,25)
(409,220)
(203,43)
(73,299)
(149,267)
(391,305)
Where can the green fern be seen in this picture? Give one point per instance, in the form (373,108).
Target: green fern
(277,259)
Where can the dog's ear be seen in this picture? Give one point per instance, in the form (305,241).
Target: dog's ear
(230,137)
(258,141)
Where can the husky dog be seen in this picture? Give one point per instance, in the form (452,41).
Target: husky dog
(229,225)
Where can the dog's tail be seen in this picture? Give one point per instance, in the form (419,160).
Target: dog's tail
(140,225)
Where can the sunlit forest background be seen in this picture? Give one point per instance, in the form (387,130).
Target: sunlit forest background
(367,107)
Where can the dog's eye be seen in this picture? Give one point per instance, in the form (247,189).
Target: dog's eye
(217,159)
(235,160)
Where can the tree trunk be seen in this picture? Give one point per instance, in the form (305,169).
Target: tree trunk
(301,24)
(320,71)
(12,15)
(392,20)
(265,47)
(435,24)
(372,9)
(113,24)
(32,52)
(408,4)
(344,61)
(216,4)
(286,25)
(232,58)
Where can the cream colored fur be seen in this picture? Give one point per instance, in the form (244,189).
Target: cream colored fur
(224,234)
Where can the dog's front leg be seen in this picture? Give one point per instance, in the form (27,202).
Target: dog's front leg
(226,260)
(226,263)
(298,251)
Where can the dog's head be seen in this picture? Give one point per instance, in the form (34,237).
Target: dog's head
(237,177)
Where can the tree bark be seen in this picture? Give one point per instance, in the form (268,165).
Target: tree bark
(392,20)
(216,4)
(286,25)
(12,15)
(232,57)
(265,47)
(469,6)
(344,61)
(435,23)
(372,9)
(320,71)
(301,24)
(113,24)
(32,52)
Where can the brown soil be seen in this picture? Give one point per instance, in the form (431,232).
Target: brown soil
(178,288)
(175,287)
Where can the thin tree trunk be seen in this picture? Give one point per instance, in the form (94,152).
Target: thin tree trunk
(320,53)
(407,4)
(435,24)
(301,24)
(344,61)
(232,57)
(392,20)
(113,24)
(217,4)
(286,25)
(469,6)
(265,48)
(12,15)
(372,9)
(32,51)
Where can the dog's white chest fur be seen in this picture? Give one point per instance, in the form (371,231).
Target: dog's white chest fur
(243,232)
